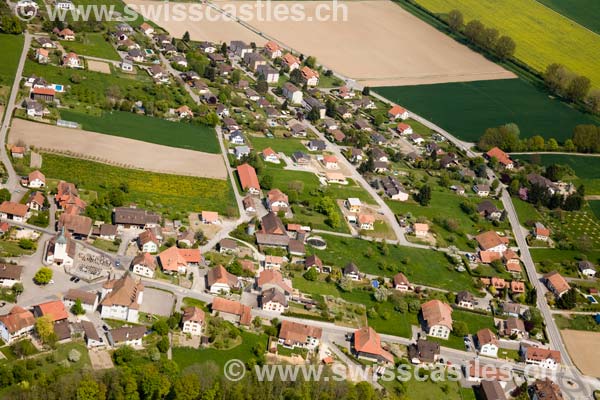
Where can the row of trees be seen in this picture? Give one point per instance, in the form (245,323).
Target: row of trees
(138,377)
(585,139)
(477,33)
(575,88)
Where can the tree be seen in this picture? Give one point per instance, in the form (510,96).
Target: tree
(593,101)
(381,294)
(45,329)
(77,308)
(186,37)
(262,86)
(474,31)
(311,274)
(310,61)
(424,195)
(460,328)
(379,119)
(366,91)
(161,327)
(236,75)
(43,276)
(490,38)
(187,387)
(4,194)
(313,115)
(163,344)
(88,389)
(557,77)
(346,284)
(505,47)
(578,88)
(266,182)
(568,300)
(455,20)
(552,145)
(296,76)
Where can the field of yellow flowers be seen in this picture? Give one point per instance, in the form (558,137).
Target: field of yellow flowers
(542,35)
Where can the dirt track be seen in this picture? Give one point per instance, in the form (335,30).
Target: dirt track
(379,45)
(118,151)
(584,350)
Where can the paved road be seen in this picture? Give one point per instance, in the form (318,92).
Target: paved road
(552,330)
(12,183)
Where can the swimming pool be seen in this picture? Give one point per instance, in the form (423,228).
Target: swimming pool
(149,51)
(58,88)
(591,299)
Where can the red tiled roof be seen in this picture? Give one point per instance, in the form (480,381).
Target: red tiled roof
(233,307)
(499,155)
(55,309)
(12,208)
(248,178)
(366,340)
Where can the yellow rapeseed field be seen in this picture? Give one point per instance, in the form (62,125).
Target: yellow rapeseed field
(543,36)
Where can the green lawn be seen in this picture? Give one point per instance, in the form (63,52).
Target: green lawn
(577,322)
(427,389)
(595,207)
(421,266)
(526,211)
(12,46)
(584,12)
(161,192)
(445,205)
(474,323)
(185,357)
(384,320)
(586,168)
(563,256)
(9,248)
(106,245)
(287,146)
(92,44)
(485,104)
(148,129)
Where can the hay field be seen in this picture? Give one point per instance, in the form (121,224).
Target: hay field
(118,151)
(380,44)
(584,350)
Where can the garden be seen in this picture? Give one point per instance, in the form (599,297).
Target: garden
(161,192)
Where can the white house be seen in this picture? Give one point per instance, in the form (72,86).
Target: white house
(352,272)
(143,265)
(269,155)
(397,112)
(121,298)
(482,190)
(127,336)
(89,300)
(487,342)
(16,324)
(241,151)
(10,274)
(219,280)
(587,268)
(36,180)
(273,300)
(294,334)
(292,93)
(401,282)
(437,317)
(91,336)
(544,358)
(193,321)
(236,137)
(148,242)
